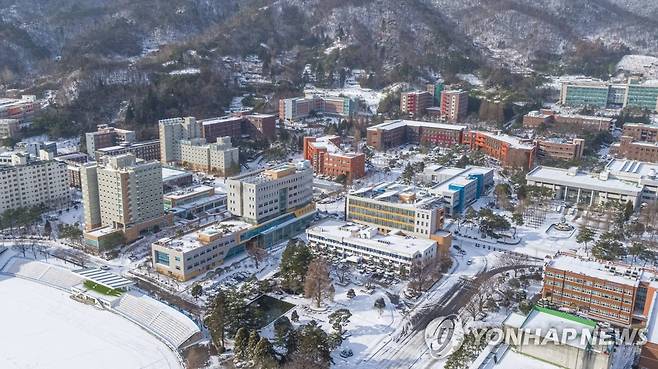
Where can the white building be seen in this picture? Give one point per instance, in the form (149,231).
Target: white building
(364,243)
(265,194)
(458,187)
(171,132)
(122,194)
(623,180)
(220,158)
(196,252)
(27,181)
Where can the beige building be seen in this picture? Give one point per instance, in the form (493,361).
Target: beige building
(196,252)
(106,136)
(27,181)
(219,158)
(172,132)
(9,128)
(265,194)
(124,195)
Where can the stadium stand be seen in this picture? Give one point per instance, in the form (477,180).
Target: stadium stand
(166,322)
(42,272)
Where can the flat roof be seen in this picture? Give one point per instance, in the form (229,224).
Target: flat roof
(400,245)
(218,120)
(597,269)
(393,192)
(543,320)
(171,173)
(388,125)
(512,140)
(190,241)
(582,180)
(188,192)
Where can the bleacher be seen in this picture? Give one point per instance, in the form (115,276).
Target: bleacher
(164,321)
(42,272)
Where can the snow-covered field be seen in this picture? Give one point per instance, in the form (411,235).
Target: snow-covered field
(640,64)
(43,328)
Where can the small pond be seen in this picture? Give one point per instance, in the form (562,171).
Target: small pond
(267,309)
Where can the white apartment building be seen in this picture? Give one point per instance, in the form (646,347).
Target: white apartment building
(361,243)
(219,158)
(9,128)
(265,194)
(27,181)
(171,132)
(123,194)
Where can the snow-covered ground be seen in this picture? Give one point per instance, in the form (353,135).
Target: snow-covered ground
(186,71)
(371,97)
(644,65)
(43,328)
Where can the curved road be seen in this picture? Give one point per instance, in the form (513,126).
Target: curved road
(408,352)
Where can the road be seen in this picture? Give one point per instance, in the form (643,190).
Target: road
(411,351)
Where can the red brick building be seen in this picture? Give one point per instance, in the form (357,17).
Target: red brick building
(328,159)
(261,126)
(616,293)
(560,149)
(550,118)
(398,132)
(454,105)
(510,151)
(414,103)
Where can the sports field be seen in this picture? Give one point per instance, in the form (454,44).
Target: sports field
(43,328)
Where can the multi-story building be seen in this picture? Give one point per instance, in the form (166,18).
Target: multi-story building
(398,132)
(454,105)
(219,158)
(414,103)
(214,128)
(435,90)
(266,194)
(362,243)
(327,158)
(22,109)
(560,149)
(197,252)
(301,107)
(392,206)
(628,148)
(641,132)
(510,151)
(175,179)
(277,201)
(259,126)
(623,180)
(106,136)
(9,128)
(191,201)
(73,162)
(145,150)
(610,95)
(568,122)
(458,187)
(615,293)
(171,132)
(121,195)
(26,181)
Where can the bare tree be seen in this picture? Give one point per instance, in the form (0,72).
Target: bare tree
(342,272)
(419,276)
(318,283)
(257,253)
(20,246)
